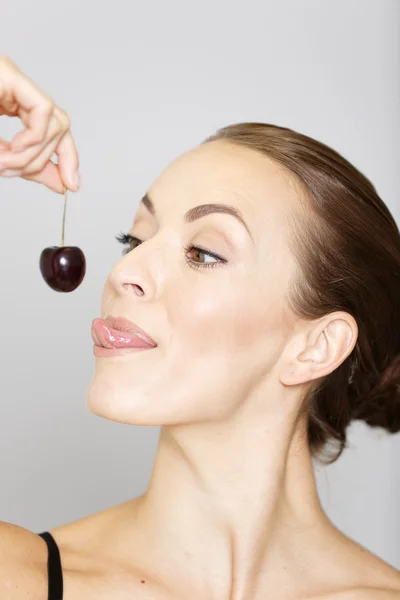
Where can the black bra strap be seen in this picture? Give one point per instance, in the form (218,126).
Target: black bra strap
(54,567)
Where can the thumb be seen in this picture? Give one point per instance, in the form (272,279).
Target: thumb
(48,176)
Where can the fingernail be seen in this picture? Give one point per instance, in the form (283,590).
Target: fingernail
(11,173)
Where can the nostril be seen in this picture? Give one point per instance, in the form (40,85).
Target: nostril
(132,288)
(138,290)
(128,287)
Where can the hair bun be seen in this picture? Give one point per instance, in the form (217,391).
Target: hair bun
(381,407)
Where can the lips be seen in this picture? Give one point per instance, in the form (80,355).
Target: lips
(118,332)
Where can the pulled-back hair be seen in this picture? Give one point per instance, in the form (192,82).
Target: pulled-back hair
(347,246)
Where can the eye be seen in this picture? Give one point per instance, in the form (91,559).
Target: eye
(133,242)
(202,265)
(125,238)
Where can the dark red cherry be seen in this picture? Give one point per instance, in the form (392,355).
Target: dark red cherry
(63,268)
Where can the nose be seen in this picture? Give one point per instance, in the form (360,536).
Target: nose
(130,279)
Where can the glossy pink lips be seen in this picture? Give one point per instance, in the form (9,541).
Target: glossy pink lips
(115,334)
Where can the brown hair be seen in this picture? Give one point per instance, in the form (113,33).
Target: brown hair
(348,252)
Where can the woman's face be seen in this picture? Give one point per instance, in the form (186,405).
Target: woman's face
(220,326)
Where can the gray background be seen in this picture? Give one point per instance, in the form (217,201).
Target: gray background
(143,82)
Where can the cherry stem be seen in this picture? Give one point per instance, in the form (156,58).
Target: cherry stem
(63,222)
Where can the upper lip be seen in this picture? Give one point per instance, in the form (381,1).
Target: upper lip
(124,324)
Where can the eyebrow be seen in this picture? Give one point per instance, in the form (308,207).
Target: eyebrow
(197,212)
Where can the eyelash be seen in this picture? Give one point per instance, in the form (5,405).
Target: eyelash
(126,238)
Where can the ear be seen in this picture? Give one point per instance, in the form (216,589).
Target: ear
(321,349)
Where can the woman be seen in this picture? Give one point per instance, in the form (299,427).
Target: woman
(265,270)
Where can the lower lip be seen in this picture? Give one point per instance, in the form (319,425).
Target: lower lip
(103,352)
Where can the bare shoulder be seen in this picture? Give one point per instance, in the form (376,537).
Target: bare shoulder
(367,593)
(356,573)
(382,582)
(386,592)
(23,564)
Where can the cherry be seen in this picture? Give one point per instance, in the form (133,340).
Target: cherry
(63,268)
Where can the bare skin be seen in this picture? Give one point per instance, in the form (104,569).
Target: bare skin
(232,510)
(92,570)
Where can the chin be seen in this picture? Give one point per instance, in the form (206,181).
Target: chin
(135,405)
(117,404)
(120,390)
(165,394)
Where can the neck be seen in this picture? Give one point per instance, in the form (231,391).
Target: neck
(230,506)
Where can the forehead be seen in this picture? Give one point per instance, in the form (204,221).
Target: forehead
(220,171)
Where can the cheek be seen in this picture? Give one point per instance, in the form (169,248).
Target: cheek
(225,319)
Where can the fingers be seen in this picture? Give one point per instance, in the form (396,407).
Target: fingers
(47,131)
(53,176)
(27,160)
(68,161)
(33,160)
(49,176)
(36,127)
(18,91)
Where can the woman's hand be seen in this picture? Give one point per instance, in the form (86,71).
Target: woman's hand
(47,131)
